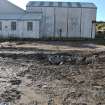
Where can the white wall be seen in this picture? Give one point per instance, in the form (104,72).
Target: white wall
(31,34)
(21,29)
(48,15)
(88,15)
(93,13)
(61,22)
(47,23)
(74,22)
(53,20)
(6,29)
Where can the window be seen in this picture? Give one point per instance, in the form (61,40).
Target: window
(29,26)
(0,25)
(13,26)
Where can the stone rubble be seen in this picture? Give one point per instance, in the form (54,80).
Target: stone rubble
(73,59)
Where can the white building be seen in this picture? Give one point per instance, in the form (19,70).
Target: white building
(48,19)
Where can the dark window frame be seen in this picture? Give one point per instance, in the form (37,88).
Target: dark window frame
(13,26)
(29,26)
(0,26)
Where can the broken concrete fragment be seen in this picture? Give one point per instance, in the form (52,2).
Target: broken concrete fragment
(55,59)
(90,59)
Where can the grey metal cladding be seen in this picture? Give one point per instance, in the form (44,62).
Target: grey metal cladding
(69,4)
(79,4)
(59,4)
(51,4)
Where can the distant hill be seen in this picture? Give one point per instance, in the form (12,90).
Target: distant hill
(100,26)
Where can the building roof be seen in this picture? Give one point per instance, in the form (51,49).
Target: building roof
(8,7)
(31,16)
(60,4)
(25,16)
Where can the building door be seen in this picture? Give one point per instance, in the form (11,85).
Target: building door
(6,29)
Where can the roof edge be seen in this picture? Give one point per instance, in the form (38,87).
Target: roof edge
(29,4)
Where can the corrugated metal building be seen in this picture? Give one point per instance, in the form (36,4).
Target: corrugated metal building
(48,19)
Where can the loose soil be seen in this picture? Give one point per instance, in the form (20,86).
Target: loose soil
(27,77)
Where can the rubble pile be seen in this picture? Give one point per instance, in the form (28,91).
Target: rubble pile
(72,59)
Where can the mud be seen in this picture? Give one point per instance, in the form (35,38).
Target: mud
(52,78)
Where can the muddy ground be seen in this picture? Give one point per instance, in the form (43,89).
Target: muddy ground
(68,74)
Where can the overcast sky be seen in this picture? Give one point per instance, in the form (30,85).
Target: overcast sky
(99,3)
